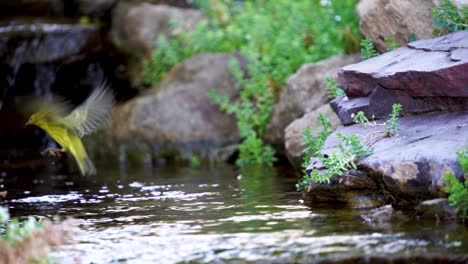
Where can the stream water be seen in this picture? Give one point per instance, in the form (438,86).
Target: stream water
(217,215)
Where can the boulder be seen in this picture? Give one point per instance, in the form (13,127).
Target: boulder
(293,142)
(177,115)
(411,165)
(397,19)
(135,27)
(427,75)
(304,92)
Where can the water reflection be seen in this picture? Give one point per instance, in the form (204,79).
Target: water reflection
(173,215)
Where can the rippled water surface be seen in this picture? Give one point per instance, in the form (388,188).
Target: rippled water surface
(214,215)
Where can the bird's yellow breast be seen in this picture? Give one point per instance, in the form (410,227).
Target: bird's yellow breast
(58,132)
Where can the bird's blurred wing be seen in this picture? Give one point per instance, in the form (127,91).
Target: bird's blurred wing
(92,113)
(52,109)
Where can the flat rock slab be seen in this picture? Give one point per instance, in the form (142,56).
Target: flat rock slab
(411,166)
(432,72)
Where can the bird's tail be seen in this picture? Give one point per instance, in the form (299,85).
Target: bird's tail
(86,166)
(78,151)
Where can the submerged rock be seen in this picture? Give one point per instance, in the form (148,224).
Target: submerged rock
(427,75)
(437,209)
(304,92)
(380,215)
(411,165)
(177,115)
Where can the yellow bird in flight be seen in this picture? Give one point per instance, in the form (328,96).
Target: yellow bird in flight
(67,128)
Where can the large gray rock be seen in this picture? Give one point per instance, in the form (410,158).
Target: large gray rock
(177,115)
(427,75)
(411,166)
(304,92)
(136,26)
(293,141)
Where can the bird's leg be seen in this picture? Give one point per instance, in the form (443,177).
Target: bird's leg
(52,151)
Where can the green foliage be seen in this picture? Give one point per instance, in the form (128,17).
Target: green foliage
(333,89)
(350,148)
(367,49)
(458,194)
(252,111)
(167,54)
(393,125)
(360,118)
(448,17)
(463,159)
(15,231)
(391,44)
(276,38)
(458,191)
(253,151)
(195,161)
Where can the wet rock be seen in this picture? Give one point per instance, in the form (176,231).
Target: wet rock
(304,92)
(411,166)
(354,190)
(396,19)
(177,115)
(427,75)
(294,143)
(40,43)
(380,215)
(437,209)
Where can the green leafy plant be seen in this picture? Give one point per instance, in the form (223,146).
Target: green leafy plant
(333,89)
(350,147)
(458,191)
(393,124)
(16,231)
(448,17)
(367,49)
(338,162)
(391,44)
(274,43)
(360,118)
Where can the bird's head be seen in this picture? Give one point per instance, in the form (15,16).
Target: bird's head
(32,120)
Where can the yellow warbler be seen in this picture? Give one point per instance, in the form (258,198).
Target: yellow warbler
(67,128)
